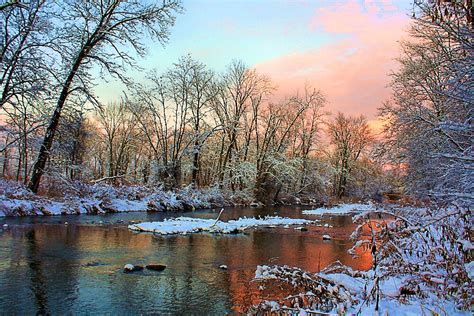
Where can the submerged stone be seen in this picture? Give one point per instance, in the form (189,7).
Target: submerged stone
(156,267)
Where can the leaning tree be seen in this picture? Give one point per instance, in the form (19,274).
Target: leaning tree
(103,33)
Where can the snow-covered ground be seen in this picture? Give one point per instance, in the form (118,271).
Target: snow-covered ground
(423,265)
(341,209)
(16,200)
(184,225)
(343,293)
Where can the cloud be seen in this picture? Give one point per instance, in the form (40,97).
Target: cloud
(352,71)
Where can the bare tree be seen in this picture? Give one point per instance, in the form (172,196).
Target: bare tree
(203,93)
(24,61)
(241,89)
(120,137)
(162,109)
(274,140)
(25,122)
(350,136)
(98,32)
(14,3)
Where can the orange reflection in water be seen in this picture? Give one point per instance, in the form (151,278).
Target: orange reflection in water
(305,250)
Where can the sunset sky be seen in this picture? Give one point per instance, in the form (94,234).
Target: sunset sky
(344,48)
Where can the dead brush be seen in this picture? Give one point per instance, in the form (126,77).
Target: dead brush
(312,292)
(432,248)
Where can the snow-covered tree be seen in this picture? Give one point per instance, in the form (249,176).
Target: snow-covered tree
(350,137)
(99,33)
(430,118)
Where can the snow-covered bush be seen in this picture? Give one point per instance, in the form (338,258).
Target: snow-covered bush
(303,291)
(432,248)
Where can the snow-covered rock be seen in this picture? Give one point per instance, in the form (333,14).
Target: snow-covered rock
(132,268)
(128,267)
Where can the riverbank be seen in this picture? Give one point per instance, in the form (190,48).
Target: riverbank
(422,263)
(80,198)
(100,198)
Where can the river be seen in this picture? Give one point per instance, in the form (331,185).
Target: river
(50,267)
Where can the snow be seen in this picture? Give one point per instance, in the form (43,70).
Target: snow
(470,269)
(11,204)
(128,267)
(127,206)
(341,209)
(389,306)
(356,286)
(466,244)
(17,200)
(184,225)
(264,272)
(54,208)
(423,268)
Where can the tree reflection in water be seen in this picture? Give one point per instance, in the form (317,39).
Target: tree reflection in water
(37,278)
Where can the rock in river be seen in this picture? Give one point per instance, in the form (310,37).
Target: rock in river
(131,268)
(156,267)
(326,237)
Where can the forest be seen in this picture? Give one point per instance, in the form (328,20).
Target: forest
(186,126)
(192,137)
(193,126)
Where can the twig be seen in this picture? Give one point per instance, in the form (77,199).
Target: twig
(107,178)
(218,216)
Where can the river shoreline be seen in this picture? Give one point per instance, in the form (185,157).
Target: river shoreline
(93,199)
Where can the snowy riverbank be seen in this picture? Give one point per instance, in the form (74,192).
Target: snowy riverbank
(422,264)
(16,200)
(340,290)
(81,198)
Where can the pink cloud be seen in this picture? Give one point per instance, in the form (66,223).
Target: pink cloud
(352,72)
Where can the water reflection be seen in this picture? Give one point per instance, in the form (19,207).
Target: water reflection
(76,268)
(36,273)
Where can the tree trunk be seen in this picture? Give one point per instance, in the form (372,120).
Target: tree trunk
(38,168)
(195,165)
(5,159)
(18,169)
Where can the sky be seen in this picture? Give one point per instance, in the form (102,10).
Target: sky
(344,48)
